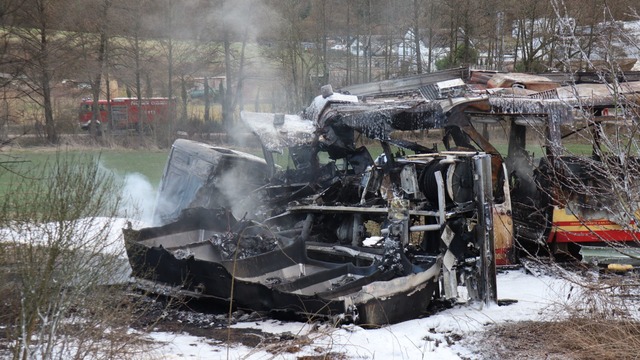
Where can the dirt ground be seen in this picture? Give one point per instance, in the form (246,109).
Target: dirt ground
(585,338)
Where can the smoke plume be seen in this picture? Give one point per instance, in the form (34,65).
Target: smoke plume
(138,198)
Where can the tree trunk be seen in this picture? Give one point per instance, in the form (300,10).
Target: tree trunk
(357,58)
(169,28)
(50,126)
(237,100)
(325,61)
(138,76)
(416,35)
(49,123)
(94,128)
(184,97)
(207,101)
(348,79)
(226,99)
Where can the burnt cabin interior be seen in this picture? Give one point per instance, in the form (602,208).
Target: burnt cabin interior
(352,179)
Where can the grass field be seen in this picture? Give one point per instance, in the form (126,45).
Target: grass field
(150,163)
(122,162)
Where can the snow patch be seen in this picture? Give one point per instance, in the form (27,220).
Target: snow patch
(433,337)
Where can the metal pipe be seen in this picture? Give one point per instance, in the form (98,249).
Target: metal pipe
(441,199)
(430,227)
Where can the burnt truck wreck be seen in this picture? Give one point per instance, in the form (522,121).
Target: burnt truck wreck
(375,201)
(336,233)
(564,153)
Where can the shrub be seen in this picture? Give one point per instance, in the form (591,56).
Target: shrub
(62,266)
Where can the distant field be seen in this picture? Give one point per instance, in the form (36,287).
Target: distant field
(121,162)
(150,163)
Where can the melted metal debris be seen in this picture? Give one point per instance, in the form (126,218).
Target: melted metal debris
(325,207)
(233,245)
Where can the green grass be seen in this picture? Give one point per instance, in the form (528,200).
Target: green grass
(121,162)
(151,163)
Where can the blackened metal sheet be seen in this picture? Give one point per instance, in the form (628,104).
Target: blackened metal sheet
(283,280)
(201,175)
(405,84)
(378,120)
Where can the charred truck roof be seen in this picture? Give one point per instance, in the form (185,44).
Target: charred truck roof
(369,234)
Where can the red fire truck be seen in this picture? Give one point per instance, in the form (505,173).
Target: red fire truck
(125,113)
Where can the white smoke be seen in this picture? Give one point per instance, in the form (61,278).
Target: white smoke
(235,187)
(245,16)
(138,198)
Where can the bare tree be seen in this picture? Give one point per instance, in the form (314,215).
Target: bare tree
(290,53)
(235,19)
(40,56)
(535,28)
(135,57)
(95,56)
(168,47)
(417,10)
(7,62)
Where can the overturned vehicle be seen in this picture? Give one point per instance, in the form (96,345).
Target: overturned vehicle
(319,227)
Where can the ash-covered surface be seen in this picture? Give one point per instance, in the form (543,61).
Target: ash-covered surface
(214,323)
(199,318)
(231,246)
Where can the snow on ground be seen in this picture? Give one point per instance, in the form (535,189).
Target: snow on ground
(433,337)
(436,337)
(101,234)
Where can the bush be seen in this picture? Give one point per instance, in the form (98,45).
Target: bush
(58,255)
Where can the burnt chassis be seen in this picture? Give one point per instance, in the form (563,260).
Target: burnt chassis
(301,242)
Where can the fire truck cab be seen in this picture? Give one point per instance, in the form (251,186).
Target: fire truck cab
(126,113)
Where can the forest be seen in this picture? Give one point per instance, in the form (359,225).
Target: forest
(276,54)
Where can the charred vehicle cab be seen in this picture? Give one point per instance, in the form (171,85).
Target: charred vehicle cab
(335,233)
(564,156)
